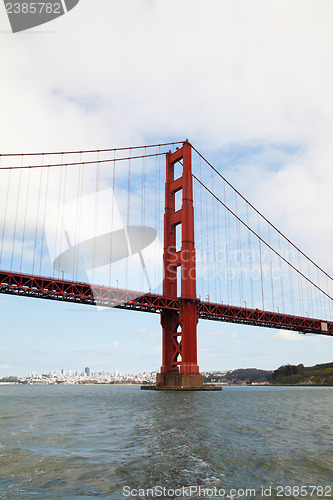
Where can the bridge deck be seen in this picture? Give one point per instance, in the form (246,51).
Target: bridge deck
(83,293)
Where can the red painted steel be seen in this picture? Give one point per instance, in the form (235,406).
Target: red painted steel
(268,319)
(54,289)
(179,337)
(50,288)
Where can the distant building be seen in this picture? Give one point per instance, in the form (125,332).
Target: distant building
(87,371)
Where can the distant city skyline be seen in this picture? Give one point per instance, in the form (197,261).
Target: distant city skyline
(84,372)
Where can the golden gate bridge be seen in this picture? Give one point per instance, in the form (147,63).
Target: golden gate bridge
(87,227)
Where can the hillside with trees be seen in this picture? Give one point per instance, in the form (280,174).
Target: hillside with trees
(239,376)
(301,375)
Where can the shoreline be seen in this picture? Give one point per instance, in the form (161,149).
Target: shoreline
(141,384)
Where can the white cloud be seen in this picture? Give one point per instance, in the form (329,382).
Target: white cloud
(138,331)
(116,343)
(207,349)
(285,335)
(218,332)
(236,74)
(232,335)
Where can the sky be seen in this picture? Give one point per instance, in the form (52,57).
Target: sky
(248,83)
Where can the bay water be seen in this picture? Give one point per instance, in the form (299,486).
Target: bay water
(116,442)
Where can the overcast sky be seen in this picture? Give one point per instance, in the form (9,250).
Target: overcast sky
(249,83)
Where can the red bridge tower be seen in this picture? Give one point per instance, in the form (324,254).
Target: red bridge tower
(179,344)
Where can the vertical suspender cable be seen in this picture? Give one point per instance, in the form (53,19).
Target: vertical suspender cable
(328,305)
(320,299)
(270,266)
(239,256)
(291,287)
(25,217)
(128,211)
(300,290)
(281,276)
(213,242)
(5,217)
(77,223)
(250,257)
(219,253)
(156,187)
(160,211)
(229,269)
(310,298)
(261,273)
(207,245)
(41,171)
(201,234)
(16,213)
(142,222)
(45,214)
(63,231)
(112,215)
(79,257)
(226,246)
(59,221)
(97,176)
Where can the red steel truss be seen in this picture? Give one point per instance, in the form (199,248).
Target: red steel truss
(82,293)
(268,319)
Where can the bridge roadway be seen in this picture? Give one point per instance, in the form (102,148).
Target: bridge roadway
(83,293)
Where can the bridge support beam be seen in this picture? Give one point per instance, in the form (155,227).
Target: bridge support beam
(179,370)
(179,342)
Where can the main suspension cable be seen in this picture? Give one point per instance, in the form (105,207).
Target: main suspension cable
(93,150)
(260,238)
(259,213)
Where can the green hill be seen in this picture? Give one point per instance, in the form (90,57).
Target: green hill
(302,375)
